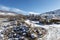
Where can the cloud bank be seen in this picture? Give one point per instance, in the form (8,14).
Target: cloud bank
(34,13)
(5,8)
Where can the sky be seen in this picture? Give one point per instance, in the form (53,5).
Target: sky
(29,6)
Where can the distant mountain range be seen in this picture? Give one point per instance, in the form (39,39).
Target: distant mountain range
(51,13)
(7,13)
(55,13)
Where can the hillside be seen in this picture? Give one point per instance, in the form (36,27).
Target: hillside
(51,13)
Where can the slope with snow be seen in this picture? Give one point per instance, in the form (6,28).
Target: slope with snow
(7,13)
(53,30)
(51,14)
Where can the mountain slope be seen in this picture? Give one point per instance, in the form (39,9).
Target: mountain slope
(7,13)
(52,14)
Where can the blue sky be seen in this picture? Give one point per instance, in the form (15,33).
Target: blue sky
(30,6)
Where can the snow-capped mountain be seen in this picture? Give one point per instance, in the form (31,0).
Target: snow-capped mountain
(55,13)
(7,13)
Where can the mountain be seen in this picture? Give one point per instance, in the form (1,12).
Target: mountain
(7,13)
(55,13)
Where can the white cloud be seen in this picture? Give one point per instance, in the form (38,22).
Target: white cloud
(16,10)
(34,13)
(11,9)
(4,8)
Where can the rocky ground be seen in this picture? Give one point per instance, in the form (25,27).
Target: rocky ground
(35,32)
(53,31)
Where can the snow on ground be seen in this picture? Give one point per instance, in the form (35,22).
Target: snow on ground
(52,34)
(53,30)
